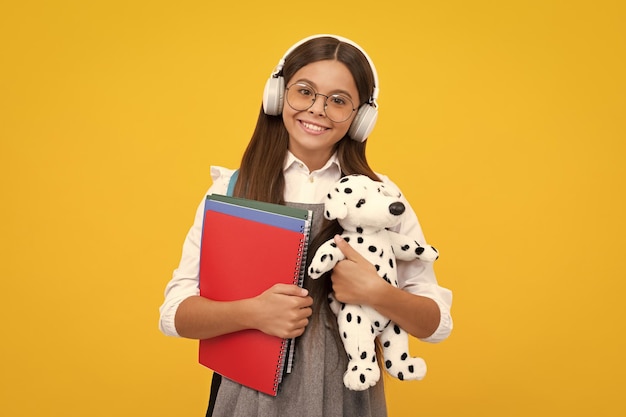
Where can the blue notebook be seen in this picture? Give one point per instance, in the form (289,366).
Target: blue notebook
(271,218)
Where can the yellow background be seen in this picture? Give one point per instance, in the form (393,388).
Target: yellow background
(503,122)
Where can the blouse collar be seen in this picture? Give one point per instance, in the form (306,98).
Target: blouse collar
(291,160)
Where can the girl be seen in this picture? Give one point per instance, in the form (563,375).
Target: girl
(318,108)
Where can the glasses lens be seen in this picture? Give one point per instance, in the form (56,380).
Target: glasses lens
(338,107)
(300,96)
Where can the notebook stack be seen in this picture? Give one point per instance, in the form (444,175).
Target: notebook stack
(247,247)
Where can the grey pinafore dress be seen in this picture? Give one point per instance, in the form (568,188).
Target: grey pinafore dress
(315,386)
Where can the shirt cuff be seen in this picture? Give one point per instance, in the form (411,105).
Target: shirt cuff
(167,324)
(445,326)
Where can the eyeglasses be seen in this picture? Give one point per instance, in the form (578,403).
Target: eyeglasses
(337,107)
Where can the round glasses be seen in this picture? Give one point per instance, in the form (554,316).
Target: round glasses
(337,107)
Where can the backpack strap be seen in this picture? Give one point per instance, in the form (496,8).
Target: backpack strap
(232,182)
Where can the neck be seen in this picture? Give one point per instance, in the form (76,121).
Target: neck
(313,160)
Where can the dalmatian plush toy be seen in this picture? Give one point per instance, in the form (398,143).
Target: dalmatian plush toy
(366,209)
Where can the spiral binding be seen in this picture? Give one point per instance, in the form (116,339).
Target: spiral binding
(299,274)
(280,366)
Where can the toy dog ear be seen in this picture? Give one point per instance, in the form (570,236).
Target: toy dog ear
(335,207)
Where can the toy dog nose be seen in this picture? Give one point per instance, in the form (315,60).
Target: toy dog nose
(396,208)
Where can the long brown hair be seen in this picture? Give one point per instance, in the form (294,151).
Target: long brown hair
(261,170)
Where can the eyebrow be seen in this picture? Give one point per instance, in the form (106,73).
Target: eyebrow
(338,91)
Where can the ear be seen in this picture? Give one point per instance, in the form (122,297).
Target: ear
(334,206)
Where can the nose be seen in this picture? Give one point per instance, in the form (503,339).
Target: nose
(319,105)
(396,208)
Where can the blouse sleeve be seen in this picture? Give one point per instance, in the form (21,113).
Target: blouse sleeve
(185,278)
(419,277)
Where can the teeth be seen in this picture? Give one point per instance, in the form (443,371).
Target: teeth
(313,127)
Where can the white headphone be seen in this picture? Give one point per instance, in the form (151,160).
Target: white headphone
(365,119)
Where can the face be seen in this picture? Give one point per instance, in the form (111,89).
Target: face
(312,135)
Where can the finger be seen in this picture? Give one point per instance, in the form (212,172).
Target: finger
(302,302)
(295,333)
(348,251)
(288,289)
(306,302)
(306,312)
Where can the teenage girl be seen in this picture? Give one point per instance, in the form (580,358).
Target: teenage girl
(319,107)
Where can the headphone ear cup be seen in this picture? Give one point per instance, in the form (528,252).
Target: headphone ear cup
(363,123)
(273,96)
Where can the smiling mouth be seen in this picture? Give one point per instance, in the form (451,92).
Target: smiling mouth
(313,127)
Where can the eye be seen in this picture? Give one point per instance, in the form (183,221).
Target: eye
(305,91)
(384,191)
(339,101)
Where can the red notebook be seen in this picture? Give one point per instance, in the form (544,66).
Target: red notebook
(241,258)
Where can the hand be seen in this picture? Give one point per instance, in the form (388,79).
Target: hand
(282,310)
(355,279)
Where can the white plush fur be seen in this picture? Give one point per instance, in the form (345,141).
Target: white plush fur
(366,209)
